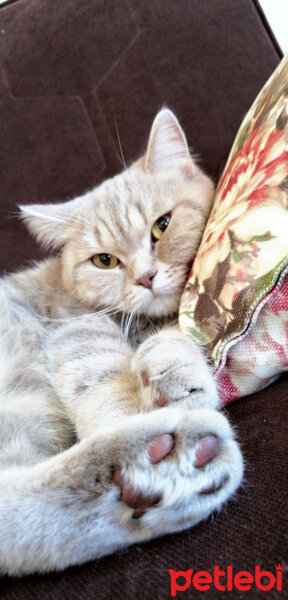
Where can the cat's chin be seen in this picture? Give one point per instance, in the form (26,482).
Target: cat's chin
(161,306)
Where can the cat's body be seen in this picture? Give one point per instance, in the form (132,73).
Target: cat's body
(78,364)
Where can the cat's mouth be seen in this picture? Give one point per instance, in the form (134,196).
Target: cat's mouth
(160,302)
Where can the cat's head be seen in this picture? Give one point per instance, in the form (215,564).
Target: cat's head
(129,243)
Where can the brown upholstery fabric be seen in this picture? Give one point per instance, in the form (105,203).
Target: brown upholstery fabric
(69,70)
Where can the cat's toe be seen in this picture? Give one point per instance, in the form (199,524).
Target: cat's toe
(214,487)
(206,449)
(179,385)
(133,497)
(157,449)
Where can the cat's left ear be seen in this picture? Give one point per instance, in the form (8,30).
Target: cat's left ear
(167,147)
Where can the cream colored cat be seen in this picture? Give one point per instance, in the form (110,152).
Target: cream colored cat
(105,439)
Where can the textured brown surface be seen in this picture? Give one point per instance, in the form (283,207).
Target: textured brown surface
(66,68)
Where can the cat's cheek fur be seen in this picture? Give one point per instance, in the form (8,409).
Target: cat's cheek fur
(95,287)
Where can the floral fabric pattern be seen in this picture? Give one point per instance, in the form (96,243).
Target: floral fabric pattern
(244,248)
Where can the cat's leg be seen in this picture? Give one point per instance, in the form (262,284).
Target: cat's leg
(171,369)
(69,509)
(90,365)
(99,378)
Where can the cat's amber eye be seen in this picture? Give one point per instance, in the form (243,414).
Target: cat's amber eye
(159,227)
(105,261)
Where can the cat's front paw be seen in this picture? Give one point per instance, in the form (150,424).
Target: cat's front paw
(172,370)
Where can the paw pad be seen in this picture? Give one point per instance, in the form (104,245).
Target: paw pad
(206,449)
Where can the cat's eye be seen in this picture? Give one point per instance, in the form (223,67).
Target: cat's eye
(105,261)
(160,226)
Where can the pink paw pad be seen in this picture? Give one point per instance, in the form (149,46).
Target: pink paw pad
(158,448)
(206,449)
(162,401)
(145,378)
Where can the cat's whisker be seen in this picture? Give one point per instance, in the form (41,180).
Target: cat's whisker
(127,318)
(128,325)
(119,142)
(138,322)
(12,214)
(97,314)
(122,321)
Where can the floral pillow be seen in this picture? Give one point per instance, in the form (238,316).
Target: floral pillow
(235,303)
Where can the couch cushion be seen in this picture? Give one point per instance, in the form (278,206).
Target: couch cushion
(236,300)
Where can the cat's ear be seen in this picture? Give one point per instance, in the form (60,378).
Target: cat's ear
(49,222)
(167,146)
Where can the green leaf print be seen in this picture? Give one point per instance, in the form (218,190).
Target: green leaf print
(237,256)
(264,284)
(202,336)
(264,237)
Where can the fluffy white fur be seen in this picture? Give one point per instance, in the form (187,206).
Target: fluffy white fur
(88,355)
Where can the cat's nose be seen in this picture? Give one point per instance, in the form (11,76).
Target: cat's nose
(147,279)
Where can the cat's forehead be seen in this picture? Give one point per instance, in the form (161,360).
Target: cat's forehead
(133,190)
(125,207)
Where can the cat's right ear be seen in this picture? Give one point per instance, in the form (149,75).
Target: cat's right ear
(49,222)
(167,147)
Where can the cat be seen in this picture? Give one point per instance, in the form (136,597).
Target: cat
(109,428)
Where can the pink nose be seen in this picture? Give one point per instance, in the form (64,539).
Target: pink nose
(147,279)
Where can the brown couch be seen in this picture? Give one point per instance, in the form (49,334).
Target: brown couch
(69,70)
